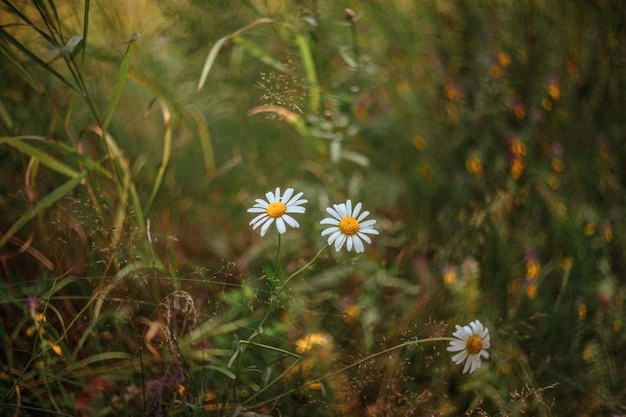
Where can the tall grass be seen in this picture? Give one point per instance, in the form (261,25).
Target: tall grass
(485,138)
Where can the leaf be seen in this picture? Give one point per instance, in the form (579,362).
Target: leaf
(205,141)
(35,58)
(18,143)
(290,117)
(215,49)
(310,71)
(167,149)
(45,158)
(260,53)
(121,78)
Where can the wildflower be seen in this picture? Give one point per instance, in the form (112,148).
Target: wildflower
(451,91)
(517,109)
(472,342)
(517,156)
(474,166)
(38,326)
(557,157)
(320,342)
(449,274)
(582,310)
(277,208)
(351,311)
(554,90)
(347,226)
(589,228)
(31,304)
(546,104)
(349,14)
(503,58)
(533,268)
(56,348)
(317,350)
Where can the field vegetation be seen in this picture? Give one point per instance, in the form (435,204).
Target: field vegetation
(296,208)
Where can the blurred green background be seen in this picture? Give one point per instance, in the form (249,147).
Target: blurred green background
(486,138)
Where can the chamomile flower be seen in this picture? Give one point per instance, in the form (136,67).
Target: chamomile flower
(347,226)
(472,342)
(277,208)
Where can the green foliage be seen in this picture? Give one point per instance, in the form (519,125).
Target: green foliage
(484,137)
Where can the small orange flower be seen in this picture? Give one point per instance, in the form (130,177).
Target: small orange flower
(496,71)
(56,348)
(517,168)
(474,166)
(451,91)
(546,104)
(557,165)
(518,147)
(504,59)
(554,91)
(449,275)
(532,269)
(517,155)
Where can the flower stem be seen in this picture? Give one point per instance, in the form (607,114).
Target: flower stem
(276,257)
(307,265)
(368,358)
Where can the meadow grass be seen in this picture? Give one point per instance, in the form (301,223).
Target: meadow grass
(484,139)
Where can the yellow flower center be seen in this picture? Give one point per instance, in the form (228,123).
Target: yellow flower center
(276,209)
(474,345)
(349,225)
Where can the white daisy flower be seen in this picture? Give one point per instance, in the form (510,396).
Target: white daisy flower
(347,226)
(277,208)
(472,342)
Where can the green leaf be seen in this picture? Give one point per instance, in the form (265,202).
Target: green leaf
(205,141)
(121,78)
(215,49)
(262,55)
(18,142)
(310,71)
(165,158)
(45,158)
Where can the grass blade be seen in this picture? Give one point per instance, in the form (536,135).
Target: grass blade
(45,158)
(36,59)
(63,149)
(215,49)
(260,53)
(310,71)
(47,201)
(165,158)
(290,117)
(85,28)
(206,144)
(121,78)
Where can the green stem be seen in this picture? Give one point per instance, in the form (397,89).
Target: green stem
(276,257)
(274,301)
(355,42)
(353,365)
(308,264)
